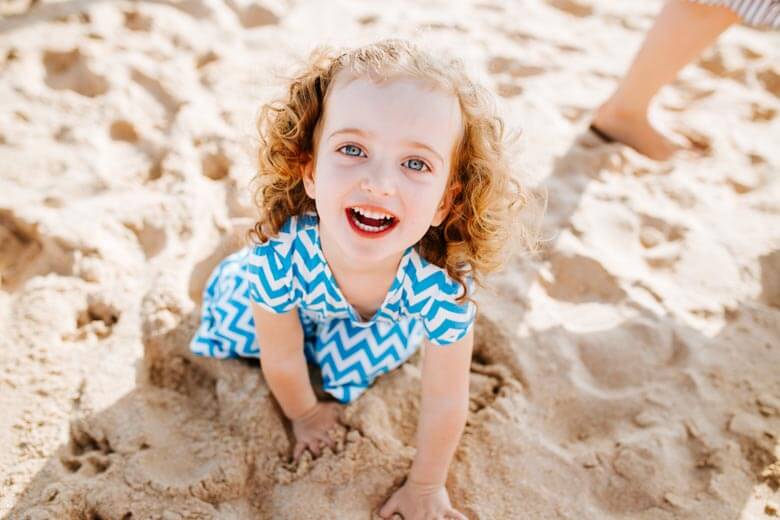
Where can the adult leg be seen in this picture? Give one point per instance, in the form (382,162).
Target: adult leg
(682,30)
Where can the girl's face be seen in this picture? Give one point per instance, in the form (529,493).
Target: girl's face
(383,159)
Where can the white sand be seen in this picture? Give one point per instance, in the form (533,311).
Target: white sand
(630,371)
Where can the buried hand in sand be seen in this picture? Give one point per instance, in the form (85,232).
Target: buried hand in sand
(385,195)
(682,30)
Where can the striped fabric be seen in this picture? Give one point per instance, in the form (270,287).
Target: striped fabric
(760,13)
(290,271)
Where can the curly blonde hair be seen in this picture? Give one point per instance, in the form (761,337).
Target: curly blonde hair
(484,195)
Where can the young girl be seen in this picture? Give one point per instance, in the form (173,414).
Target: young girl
(384,195)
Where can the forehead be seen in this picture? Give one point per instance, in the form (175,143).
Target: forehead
(395,110)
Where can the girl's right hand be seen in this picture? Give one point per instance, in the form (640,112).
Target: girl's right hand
(311,429)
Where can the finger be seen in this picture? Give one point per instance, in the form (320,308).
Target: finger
(456,515)
(298,451)
(328,441)
(322,444)
(388,509)
(314,448)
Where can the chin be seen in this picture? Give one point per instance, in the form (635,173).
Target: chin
(371,253)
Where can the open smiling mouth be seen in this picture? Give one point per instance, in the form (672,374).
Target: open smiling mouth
(370,223)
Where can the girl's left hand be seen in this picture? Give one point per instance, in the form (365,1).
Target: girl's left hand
(419,501)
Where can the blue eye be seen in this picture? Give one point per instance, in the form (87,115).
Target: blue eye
(352,150)
(417,165)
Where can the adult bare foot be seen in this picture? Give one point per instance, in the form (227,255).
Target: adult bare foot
(634,130)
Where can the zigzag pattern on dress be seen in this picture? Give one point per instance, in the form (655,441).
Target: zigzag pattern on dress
(352,357)
(226,328)
(289,271)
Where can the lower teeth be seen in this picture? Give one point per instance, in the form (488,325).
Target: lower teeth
(371,228)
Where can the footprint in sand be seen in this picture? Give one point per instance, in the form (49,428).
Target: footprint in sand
(97,319)
(526,38)
(195,8)
(121,130)
(70,70)
(770,80)
(579,279)
(750,54)
(761,113)
(627,481)
(684,95)
(253,15)
(699,142)
(77,17)
(207,75)
(578,9)
(770,278)
(694,93)
(214,161)
(157,167)
(137,21)
(20,248)
(662,241)
(513,67)
(611,364)
(572,49)
(723,65)
(522,37)
(151,237)
(746,180)
(185,468)
(206,59)
(26,252)
(86,453)
(155,88)
(501,67)
(494,353)
(369,19)
(508,90)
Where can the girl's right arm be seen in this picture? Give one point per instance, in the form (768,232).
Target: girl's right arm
(284,367)
(282,360)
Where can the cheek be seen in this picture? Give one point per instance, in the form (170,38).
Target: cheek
(329,186)
(424,199)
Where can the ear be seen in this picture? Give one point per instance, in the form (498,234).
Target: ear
(445,204)
(307,170)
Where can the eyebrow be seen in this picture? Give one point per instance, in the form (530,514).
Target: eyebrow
(357,131)
(363,133)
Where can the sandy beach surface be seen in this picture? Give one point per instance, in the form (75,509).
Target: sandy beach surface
(630,370)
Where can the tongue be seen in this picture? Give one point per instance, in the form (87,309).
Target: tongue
(376,222)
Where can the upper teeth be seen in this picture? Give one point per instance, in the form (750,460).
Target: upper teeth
(372,214)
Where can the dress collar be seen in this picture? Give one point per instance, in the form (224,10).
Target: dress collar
(388,311)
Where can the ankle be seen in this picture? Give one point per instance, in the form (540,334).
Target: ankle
(614,110)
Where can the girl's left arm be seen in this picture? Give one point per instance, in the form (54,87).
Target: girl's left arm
(443,411)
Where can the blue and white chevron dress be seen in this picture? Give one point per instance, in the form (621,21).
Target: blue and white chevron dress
(289,271)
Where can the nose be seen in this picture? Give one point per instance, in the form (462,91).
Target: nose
(378,181)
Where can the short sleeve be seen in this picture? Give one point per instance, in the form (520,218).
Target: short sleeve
(270,273)
(445,320)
